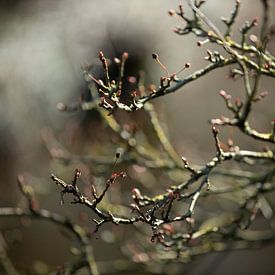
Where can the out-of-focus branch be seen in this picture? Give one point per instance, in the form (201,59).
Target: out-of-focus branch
(35,212)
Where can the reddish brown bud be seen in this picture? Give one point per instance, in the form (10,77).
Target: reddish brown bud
(187,65)
(190,220)
(200,43)
(123,174)
(21,179)
(222,93)
(100,82)
(253,38)
(170,193)
(176,29)
(238,102)
(117,60)
(230,142)
(266,66)
(132,79)
(152,88)
(171,12)
(77,173)
(263,94)
(168,228)
(215,130)
(136,193)
(34,203)
(125,56)
(101,55)
(216,121)
(225,95)
(134,94)
(83,216)
(61,106)
(134,207)
(114,175)
(255,21)
(155,56)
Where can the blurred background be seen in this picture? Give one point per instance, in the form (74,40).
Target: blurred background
(42,47)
